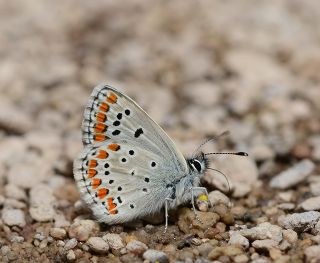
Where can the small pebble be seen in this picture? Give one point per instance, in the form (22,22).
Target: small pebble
(237,239)
(60,221)
(241,258)
(114,241)
(286,196)
(58,233)
(293,175)
(315,188)
(5,250)
(39,236)
(43,244)
(17,239)
(241,190)
(216,197)
(71,256)
(286,206)
(98,245)
(264,244)
(312,253)
(204,249)
(230,251)
(42,213)
(70,244)
(60,243)
(310,204)
(187,219)
(136,247)
(82,229)
(155,256)
(15,192)
(290,235)
(299,221)
(284,245)
(263,231)
(13,217)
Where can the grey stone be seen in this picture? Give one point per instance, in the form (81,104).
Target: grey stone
(155,256)
(13,217)
(299,221)
(98,245)
(293,175)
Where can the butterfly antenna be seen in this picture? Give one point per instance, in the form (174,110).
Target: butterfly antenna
(231,153)
(229,189)
(211,139)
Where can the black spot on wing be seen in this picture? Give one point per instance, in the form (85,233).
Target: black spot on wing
(138,132)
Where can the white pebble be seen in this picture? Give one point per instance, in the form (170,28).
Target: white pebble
(263,231)
(71,243)
(58,233)
(113,240)
(136,247)
(155,256)
(42,213)
(13,217)
(315,188)
(60,243)
(15,192)
(216,197)
(290,235)
(312,253)
(98,245)
(82,229)
(71,256)
(293,175)
(264,244)
(312,203)
(286,206)
(238,240)
(42,203)
(299,221)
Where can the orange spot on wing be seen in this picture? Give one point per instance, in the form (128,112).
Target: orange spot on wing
(100,137)
(100,127)
(92,173)
(104,106)
(102,154)
(111,206)
(95,183)
(114,147)
(92,163)
(101,117)
(102,192)
(112,98)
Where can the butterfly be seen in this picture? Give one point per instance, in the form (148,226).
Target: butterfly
(129,167)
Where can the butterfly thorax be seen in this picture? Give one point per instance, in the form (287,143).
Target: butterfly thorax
(181,188)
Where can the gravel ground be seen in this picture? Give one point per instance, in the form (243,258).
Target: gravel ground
(250,67)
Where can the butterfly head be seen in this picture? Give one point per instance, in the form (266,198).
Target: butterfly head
(199,163)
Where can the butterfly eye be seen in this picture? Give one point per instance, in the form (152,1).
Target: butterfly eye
(197,165)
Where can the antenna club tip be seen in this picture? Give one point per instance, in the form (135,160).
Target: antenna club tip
(242,154)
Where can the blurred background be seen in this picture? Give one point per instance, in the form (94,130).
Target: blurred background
(198,68)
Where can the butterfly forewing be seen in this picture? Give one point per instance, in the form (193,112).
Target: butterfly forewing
(127,160)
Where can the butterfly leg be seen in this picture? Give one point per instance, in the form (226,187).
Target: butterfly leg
(192,199)
(167,200)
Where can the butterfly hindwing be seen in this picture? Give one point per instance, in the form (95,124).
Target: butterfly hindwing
(119,181)
(127,161)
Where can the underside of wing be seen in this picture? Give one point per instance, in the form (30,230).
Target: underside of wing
(120,181)
(111,115)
